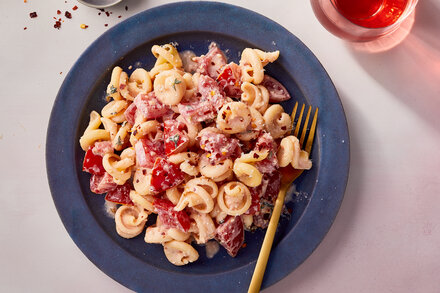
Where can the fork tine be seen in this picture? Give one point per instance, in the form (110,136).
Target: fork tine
(292,116)
(311,136)
(298,123)
(306,123)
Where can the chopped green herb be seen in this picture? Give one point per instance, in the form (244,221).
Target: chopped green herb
(119,142)
(176,81)
(113,89)
(175,139)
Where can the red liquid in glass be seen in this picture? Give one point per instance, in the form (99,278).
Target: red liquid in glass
(371,13)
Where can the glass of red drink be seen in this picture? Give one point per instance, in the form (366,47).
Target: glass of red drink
(362,20)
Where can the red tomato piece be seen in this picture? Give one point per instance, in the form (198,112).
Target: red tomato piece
(230,234)
(165,175)
(93,163)
(175,139)
(120,195)
(147,151)
(230,80)
(169,217)
(102,183)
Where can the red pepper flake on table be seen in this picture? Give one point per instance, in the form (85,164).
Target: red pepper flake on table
(25,28)
(75,8)
(33,14)
(68,15)
(58,12)
(57,24)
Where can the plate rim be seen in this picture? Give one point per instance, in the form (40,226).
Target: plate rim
(273,275)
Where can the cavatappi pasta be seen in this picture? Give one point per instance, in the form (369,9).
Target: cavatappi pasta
(198,153)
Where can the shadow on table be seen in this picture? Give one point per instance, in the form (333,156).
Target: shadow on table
(411,70)
(335,244)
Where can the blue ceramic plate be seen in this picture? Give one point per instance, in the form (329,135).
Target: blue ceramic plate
(193,25)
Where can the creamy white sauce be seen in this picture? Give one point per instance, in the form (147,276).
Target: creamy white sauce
(188,64)
(212,248)
(110,208)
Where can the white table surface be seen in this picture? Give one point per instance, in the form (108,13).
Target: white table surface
(386,237)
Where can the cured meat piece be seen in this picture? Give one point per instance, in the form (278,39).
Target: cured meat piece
(277,92)
(149,106)
(211,63)
(147,151)
(219,146)
(120,195)
(102,183)
(130,113)
(169,217)
(100,148)
(211,91)
(269,164)
(230,234)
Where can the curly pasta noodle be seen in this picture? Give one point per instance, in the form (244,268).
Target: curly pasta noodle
(290,153)
(92,133)
(143,201)
(277,121)
(139,82)
(254,128)
(169,87)
(187,161)
(252,62)
(112,88)
(204,227)
(149,129)
(192,129)
(114,110)
(122,136)
(218,172)
(256,96)
(199,194)
(234,198)
(180,253)
(167,58)
(118,167)
(130,221)
(174,194)
(141,181)
(233,117)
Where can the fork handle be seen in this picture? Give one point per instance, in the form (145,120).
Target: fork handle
(263,257)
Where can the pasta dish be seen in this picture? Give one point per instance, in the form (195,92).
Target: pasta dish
(198,142)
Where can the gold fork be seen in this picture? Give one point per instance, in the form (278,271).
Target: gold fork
(288,175)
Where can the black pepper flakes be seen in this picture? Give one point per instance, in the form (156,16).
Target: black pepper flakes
(126,7)
(107,13)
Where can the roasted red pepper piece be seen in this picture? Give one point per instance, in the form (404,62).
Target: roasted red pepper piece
(175,139)
(93,163)
(165,175)
(120,195)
